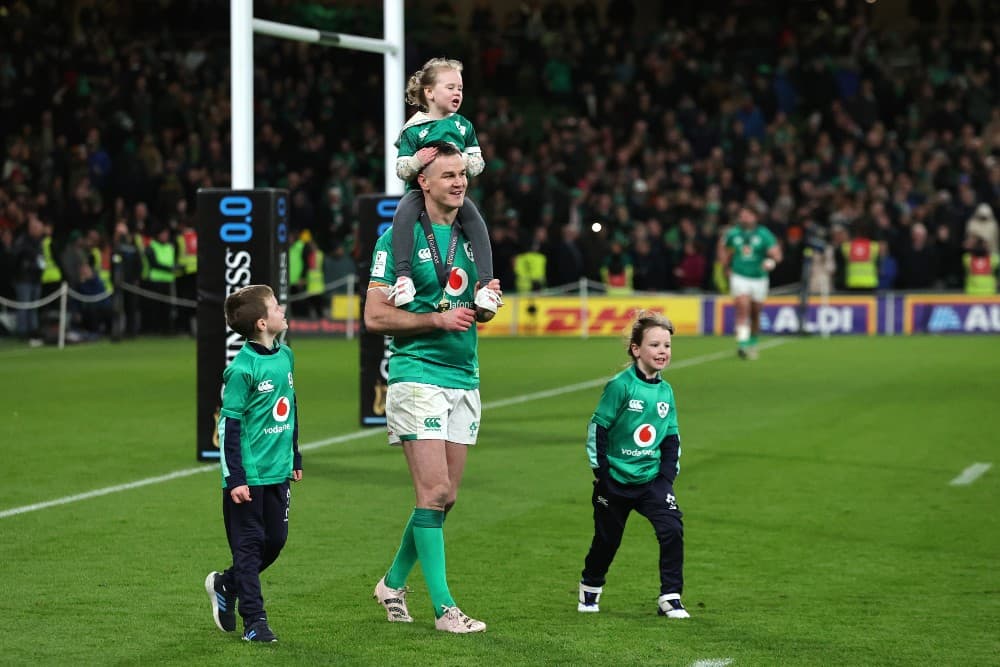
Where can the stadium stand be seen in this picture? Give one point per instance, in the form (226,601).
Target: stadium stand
(829,125)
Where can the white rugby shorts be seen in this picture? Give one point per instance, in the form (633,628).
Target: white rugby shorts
(417,411)
(755,287)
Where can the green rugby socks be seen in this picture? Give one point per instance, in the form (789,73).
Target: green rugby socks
(428,535)
(406,557)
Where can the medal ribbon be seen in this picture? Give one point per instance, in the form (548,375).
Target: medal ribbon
(443,270)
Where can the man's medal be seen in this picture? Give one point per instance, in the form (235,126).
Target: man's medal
(443,269)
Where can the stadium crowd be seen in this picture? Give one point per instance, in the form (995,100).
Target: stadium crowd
(616,148)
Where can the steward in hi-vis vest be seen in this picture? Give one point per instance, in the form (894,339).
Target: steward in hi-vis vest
(51,275)
(861,257)
(980,269)
(529,271)
(161,257)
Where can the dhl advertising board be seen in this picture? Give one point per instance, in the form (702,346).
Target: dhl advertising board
(597,316)
(888,314)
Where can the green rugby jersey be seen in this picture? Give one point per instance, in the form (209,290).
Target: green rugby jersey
(258,391)
(421,129)
(638,415)
(442,358)
(750,250)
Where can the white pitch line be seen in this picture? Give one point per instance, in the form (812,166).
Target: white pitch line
(714,662)
(971,474)
(355,435)
(589,384)
(177,474)
(105,491)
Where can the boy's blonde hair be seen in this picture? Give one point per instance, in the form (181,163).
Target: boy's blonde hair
(426,77)
(247,306)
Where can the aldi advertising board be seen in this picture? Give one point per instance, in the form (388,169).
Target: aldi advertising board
(837,315)
(950,314)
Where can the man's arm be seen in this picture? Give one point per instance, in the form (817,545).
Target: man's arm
(774,252)
(723,253)
(775,256)
(382,317)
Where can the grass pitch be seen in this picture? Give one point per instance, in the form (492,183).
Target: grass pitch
(821,527)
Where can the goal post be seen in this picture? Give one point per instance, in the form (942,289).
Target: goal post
(243,231)
(242,27)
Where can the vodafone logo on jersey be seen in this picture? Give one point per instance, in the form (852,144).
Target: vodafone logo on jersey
(644,435)
(282,409)
(458,282)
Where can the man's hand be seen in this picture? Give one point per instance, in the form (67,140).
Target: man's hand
(240,494)
(488,300)
(296,475)
(455,319)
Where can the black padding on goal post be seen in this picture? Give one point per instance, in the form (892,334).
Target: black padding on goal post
(242,240)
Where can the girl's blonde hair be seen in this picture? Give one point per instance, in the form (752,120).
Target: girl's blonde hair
(644,321)
(426,77)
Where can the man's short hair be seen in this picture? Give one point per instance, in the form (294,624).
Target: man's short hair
(443,147)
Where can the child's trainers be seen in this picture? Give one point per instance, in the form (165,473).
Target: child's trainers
(488,299)
(394,601)
(589,597)
(669,605)
(259,631)
(223,602)
(402,292)
(453,620)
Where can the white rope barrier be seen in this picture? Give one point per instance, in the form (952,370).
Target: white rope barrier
(94,298)
(348,280)
(790,289)
(28,305)
(65,293)
(156,296)
(581,286)
(88,298)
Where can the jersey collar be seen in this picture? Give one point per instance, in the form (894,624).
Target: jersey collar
(654,380)
(421,118)
(260,349)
